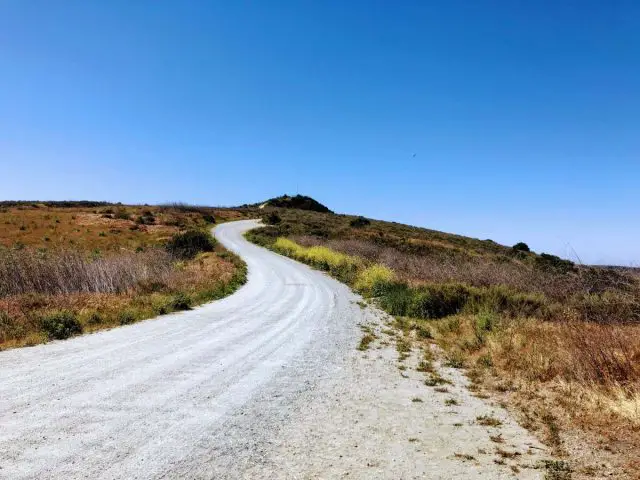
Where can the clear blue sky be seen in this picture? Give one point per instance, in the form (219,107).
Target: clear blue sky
(524,116)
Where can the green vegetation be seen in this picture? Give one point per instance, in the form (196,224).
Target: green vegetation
(61,325)
(343,267)
(299,202)
(271,219)
(180,301)
(488,421)
(187,245)
(359,222)
(366,341)
(521,247)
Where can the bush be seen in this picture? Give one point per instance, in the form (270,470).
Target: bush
(393,297)
(122,214)
(272,219)
(438,301)
(180,301)
(608,307)
(208,218)
(551,262)
(9,328)
(146,218)
(342,266)
(485,322)
(126,318)
(61,325)
(368,278)
(360,222)
(521,247)
(188,244)
(95,319)
(501,299)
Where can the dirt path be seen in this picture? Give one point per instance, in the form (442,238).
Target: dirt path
(266,383)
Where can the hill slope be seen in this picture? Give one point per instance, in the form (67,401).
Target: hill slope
(557,342)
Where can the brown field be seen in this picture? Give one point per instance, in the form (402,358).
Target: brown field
(103,266)
(558,344)
(39,226)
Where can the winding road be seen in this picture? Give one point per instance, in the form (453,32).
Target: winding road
(266,383)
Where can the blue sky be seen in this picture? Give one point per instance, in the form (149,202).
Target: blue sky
(524,117)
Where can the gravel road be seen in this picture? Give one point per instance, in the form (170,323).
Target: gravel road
(266,383)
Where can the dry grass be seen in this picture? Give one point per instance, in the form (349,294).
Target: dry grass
(600,294)
(576,384)
(65,259)
(38,226)
(569,370)
(67,271)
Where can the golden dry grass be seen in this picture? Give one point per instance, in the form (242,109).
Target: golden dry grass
(572,377)
(576,385)
(46,242)
(89,229)
(208,276)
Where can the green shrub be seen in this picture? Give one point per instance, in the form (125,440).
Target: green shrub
(61,325)
(438,301)
(10,329)
(180,301)
(607,307)
(122,214)
(424,332)
(95,319)
(442,300)
(551,262)
(360,222)
(126,318)
(429,301)
(521,247)
(272,219)
(393,297)
(485,322)
(188,244)
(501,299)
(146,219)
(208,218)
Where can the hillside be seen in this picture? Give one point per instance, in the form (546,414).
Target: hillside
(558,343)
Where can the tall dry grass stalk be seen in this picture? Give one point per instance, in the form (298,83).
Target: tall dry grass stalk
(65,272)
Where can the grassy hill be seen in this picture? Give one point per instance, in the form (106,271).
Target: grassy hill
(558,343)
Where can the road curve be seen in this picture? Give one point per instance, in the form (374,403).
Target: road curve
(197,394)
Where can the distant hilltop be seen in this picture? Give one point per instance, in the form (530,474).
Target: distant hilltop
(300,202)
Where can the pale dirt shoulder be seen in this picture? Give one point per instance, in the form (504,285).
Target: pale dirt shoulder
(375,421)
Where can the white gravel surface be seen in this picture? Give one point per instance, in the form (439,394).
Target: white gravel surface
(266,383)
